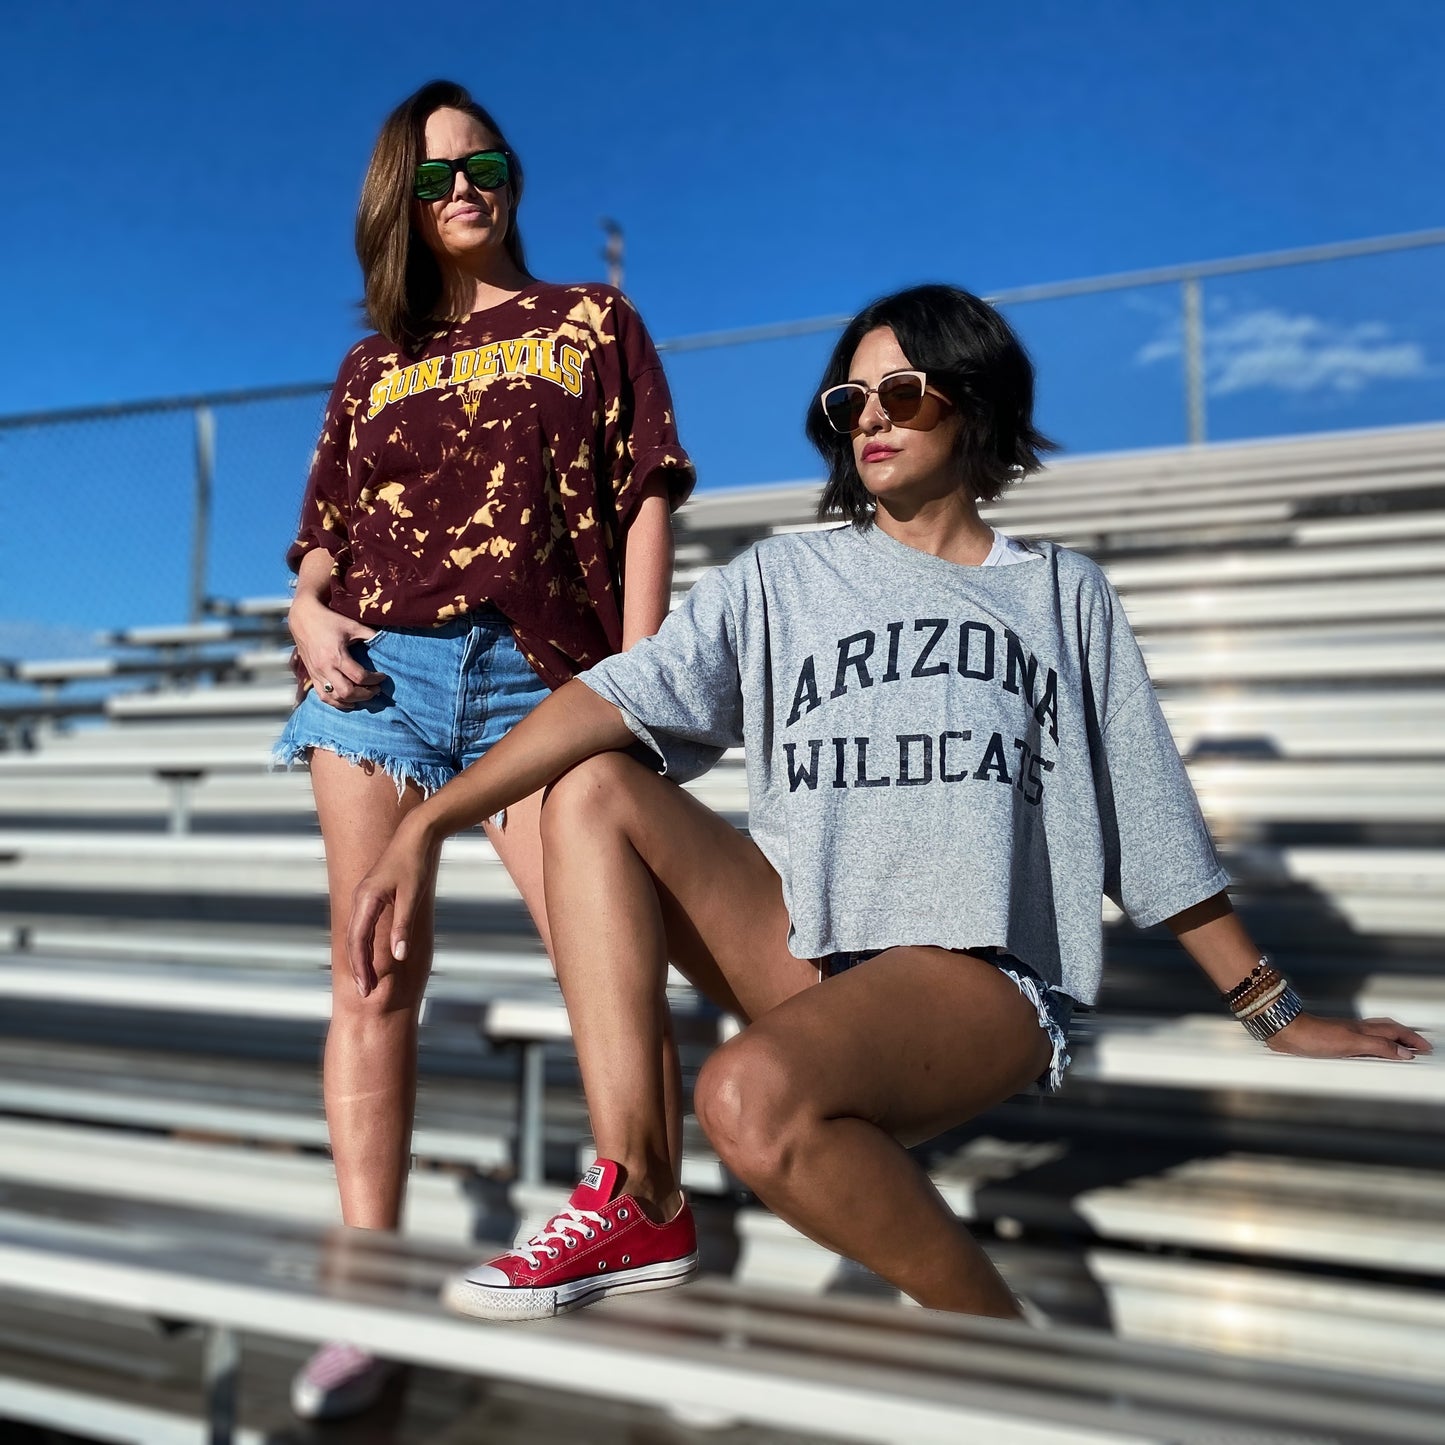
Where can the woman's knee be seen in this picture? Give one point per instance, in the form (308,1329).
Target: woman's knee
(753,1107)
(391,1002)
(587,797)
(400,987)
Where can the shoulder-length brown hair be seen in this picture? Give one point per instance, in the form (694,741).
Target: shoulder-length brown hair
(403,282)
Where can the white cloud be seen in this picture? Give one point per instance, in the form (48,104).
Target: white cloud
(1270,349)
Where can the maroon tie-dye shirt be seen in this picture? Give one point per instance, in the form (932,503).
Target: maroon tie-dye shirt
(499,465)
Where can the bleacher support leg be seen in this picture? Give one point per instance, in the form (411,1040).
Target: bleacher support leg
(222,1365)
(531,1104)
(182,783)
(180,806)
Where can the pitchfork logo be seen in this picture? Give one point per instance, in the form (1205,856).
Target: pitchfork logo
(471,404)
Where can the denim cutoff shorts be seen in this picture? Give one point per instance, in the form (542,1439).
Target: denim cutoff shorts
(1055,1010)
(450,692)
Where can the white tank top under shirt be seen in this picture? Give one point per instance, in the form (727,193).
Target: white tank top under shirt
(1007,550)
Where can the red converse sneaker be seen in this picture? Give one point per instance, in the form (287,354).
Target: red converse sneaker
(598,1245)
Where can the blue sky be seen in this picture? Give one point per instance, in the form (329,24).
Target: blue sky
(181,181)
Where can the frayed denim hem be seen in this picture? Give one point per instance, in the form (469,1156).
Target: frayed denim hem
(1037,994)
(429,778)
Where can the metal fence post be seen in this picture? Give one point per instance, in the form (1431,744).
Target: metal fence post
(205,470)
(1194,358)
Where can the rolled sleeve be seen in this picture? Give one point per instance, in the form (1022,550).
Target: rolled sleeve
(646,447)
(1158,856)
(679,691)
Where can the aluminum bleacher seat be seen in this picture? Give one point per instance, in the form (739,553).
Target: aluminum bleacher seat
(849,1368)
(1227,570)
(1102,497)
(1361,883)
(1307,722)
(270,610)
(221,701)
(266,1178)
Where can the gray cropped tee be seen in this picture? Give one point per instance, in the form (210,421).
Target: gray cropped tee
(936,754)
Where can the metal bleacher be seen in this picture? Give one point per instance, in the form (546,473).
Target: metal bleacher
(163,991)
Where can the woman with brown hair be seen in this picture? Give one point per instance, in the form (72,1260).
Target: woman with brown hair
(487,514)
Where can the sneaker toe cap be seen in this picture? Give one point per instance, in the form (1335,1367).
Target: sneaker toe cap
(489,1276)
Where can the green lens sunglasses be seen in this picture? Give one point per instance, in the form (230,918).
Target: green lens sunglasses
(486,170)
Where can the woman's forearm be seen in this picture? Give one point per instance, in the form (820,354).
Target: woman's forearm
(572,724)
(647,565)
(313,577)
(1214,938)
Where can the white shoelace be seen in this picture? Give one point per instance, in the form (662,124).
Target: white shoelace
(561,1227)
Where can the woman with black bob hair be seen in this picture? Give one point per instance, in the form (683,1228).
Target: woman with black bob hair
(953,750)
(972,359)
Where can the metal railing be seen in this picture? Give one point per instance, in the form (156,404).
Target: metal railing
(1189,277)
(194,487)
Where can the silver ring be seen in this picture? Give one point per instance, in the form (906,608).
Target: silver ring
(327,687)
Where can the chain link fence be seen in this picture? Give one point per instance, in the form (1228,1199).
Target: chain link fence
(135,514)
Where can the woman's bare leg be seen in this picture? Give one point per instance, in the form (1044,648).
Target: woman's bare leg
(809,1105)
(369,1067)
(519,845)
(370,1063)
(622,846)
(806,1105)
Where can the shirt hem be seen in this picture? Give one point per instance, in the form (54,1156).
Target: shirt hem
(1157,912)
(1073,990)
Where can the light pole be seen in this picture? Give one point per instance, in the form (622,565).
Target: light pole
(612,251)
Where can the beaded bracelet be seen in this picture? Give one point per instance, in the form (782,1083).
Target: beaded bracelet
(1269,984)
(1266,984)
(1265,1001)
(1258,1005)
(1245,984)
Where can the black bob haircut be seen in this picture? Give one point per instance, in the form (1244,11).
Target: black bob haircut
(972,356)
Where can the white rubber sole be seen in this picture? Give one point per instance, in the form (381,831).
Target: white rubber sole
(486,1302)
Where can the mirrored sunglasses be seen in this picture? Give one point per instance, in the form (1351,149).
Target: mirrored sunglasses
(486,170)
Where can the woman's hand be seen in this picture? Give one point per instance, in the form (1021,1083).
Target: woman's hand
(403,880)
(1311,1037)
(1215,939)
(323,641)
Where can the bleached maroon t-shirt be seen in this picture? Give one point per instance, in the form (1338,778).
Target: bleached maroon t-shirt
(498,465)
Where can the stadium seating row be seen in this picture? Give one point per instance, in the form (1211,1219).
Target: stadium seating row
(163,996)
